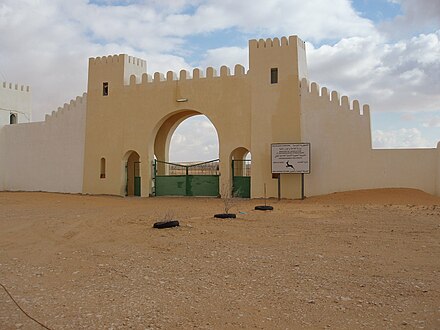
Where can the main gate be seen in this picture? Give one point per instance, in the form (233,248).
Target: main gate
(241,178)
(196,179)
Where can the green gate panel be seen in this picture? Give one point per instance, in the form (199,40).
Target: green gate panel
(242,186)
(170,185)
(202,185)
(137,185)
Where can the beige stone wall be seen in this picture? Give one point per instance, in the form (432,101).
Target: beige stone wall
(130,118)
(246,110)
(342,157)
(275,109)
(413,168)
(45,156)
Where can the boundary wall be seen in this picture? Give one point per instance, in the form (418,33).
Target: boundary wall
(45,156)
(342,156)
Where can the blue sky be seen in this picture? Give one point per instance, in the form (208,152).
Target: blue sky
(382,52)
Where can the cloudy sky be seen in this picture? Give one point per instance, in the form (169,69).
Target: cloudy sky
(382,52)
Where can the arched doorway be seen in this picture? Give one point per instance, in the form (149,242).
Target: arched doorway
(13,119)
(133,176)
(185,166)
(241,172)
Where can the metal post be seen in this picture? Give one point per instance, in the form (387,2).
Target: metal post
(279,186)
(302,186)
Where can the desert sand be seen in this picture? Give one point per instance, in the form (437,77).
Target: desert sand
(361,259)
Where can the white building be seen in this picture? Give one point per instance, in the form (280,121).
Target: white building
(15,104)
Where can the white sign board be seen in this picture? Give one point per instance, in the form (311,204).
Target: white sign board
(291,158)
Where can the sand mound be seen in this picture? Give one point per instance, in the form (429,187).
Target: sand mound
(397,196)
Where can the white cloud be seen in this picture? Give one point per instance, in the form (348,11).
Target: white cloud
(195,139)
(400,138)
(399,76)
(432,122)
(418,17)
(229,56)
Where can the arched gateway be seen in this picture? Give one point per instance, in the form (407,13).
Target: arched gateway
(129,110)
(115,138)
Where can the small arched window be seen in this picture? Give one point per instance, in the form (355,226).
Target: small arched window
(102,176)
(13,118)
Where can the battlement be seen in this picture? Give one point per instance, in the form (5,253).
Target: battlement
(116,59)
(211,73)
(78,101)
(342,102)
(276,42)
(17,87)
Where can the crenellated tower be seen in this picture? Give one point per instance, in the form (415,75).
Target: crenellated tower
(15,104)
(108,73)
(276,67)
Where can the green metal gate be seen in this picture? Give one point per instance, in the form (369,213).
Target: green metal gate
(199,179)
(137,179)
(241,178)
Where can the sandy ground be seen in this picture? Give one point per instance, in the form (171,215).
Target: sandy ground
(365,259)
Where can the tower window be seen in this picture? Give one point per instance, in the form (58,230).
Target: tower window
(13,118)
(105,88)
(274,75)
(102,176)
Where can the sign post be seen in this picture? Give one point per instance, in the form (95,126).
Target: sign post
(291,158)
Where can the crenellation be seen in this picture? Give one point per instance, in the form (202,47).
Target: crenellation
(158,76)
(17,87)
(304,84)
(211,72)
(184,75)
(135,60)
(79,100)
(342,103)
(276,42)
(225,71)
(171,76)
(146,78)
(109,59)
(239,70)
(197,74)
(314,89)
(335,97)
(356,107)
(366,110)
(117,58)
(325,93)
(345,103)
